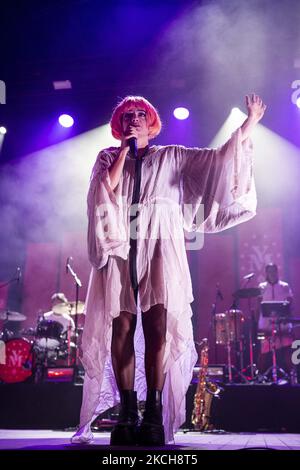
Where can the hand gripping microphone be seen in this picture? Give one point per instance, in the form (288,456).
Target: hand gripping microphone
(133,146)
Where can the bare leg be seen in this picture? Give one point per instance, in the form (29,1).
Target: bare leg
(151,432)
(122,350)
(123,361)
(154,327)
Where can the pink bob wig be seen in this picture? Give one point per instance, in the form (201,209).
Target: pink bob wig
(153,119)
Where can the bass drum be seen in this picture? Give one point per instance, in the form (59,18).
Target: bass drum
(48,334)
(16,366)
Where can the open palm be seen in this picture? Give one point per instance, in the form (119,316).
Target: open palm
(256,108)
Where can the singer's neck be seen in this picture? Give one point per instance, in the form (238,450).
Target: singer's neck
(141,152)
(142,143)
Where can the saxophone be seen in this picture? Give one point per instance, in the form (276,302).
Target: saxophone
(204,393)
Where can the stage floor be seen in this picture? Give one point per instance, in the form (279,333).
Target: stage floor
(60,440)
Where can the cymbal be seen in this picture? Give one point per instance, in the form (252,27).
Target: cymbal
(61,309)
(233,310)
(247,292)
(80,308)
(11,316)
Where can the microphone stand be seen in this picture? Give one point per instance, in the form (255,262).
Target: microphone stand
(78,284)
(214,327)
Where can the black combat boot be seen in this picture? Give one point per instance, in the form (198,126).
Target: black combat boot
(151,431)
(125,431)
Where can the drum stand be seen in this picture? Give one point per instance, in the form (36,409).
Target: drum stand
(42,360)
(41,365)
(238,349)
(37,367)
(213,322)
(238,343)
(69,345)
(231,368)
(274,369)
(249,293)
(251,367)
(229,365)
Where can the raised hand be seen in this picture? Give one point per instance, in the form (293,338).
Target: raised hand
(256,108)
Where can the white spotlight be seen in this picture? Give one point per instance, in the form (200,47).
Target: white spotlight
(236,112)
(3,130)
(235,119)
(66,120)
(181,113)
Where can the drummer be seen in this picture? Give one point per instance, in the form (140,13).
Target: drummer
(60,312)
(275,289)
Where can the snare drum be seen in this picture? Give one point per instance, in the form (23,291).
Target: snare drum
(18,360)
(48,334)
(229,326)
(235,322)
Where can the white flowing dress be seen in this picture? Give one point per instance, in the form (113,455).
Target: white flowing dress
(217,188)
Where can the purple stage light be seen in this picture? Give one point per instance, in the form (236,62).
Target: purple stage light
(181,113)
(298,102)
(66,120)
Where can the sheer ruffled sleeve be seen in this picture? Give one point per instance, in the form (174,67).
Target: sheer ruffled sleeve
(218,189)
(106,215)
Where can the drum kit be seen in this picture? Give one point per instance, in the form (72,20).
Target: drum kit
(237,332)
(27,354)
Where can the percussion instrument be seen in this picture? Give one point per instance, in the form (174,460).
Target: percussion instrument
(229,326)
(48,334)
(8,315)
(18,361)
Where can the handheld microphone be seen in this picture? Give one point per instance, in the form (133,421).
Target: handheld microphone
(133,146)
(249,276)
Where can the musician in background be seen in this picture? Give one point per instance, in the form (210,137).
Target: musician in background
(275,289)
(59,312)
